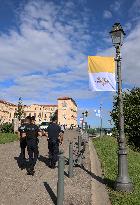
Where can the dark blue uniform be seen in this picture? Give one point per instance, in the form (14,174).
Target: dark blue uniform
(53,131)
(23,142)
(32,144)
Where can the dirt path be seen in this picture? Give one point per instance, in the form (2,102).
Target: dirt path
(17,188)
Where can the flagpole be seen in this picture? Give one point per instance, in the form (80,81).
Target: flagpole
(123,182)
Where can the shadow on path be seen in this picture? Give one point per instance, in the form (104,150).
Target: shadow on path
(44,159)
(51,193)
(66,174)
(22,164)
(110,183)
(66,161)
(106,181)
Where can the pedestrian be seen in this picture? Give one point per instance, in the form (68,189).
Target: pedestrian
(55,137)
(23,142)
(71,127)
(62,128)
(33,122)
(32,132)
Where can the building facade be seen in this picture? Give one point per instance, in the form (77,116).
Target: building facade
(66,110)
(7,111)
(41,112)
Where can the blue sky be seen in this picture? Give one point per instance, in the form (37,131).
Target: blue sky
(44,47)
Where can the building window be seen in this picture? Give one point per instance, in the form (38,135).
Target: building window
(34,114)
(64,104)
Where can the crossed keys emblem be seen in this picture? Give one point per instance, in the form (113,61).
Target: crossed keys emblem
(103,82)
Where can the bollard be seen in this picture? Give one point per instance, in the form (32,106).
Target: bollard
(60,183)
(79,150)
(79,143)
(70,160)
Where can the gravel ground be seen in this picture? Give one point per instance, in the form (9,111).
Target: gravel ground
(17,188)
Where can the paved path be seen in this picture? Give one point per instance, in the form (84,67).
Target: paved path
(17,188)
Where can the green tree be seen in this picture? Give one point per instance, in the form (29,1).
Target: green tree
(131,99)
(20,111)
(54,115)
(7,128)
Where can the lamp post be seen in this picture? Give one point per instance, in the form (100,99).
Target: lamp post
(83,119)
(101,125)
(84,114)
(123,182)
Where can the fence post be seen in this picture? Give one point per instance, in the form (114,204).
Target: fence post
(79,150)
(60,183)
(70,160)
(16,124)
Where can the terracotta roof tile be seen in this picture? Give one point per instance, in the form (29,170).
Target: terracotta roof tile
(8,103)
(67,98)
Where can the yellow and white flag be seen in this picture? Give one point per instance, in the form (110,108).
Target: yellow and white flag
(101,73)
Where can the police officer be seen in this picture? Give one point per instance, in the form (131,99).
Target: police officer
(62,128)
(32,133)
(54,135)
(33,122)
(23,142)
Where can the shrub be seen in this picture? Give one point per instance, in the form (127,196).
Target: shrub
(7,128)
(131,115)
(91,131)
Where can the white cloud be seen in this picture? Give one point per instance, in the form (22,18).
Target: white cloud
(127,26)
(107,14)
(51,37)
(47,88)
(130,57)
(44,43)
(49,44)
(135,9)
(116,6)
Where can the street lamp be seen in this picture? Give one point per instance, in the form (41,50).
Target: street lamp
(86,126)
(84,114)
(101,125)
(123,182)
(83,120)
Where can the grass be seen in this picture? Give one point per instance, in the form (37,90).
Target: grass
(106,148)
(7,137)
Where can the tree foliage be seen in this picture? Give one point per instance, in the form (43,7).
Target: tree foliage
(131,101)
(91,131)
(7,128)
(20,111)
